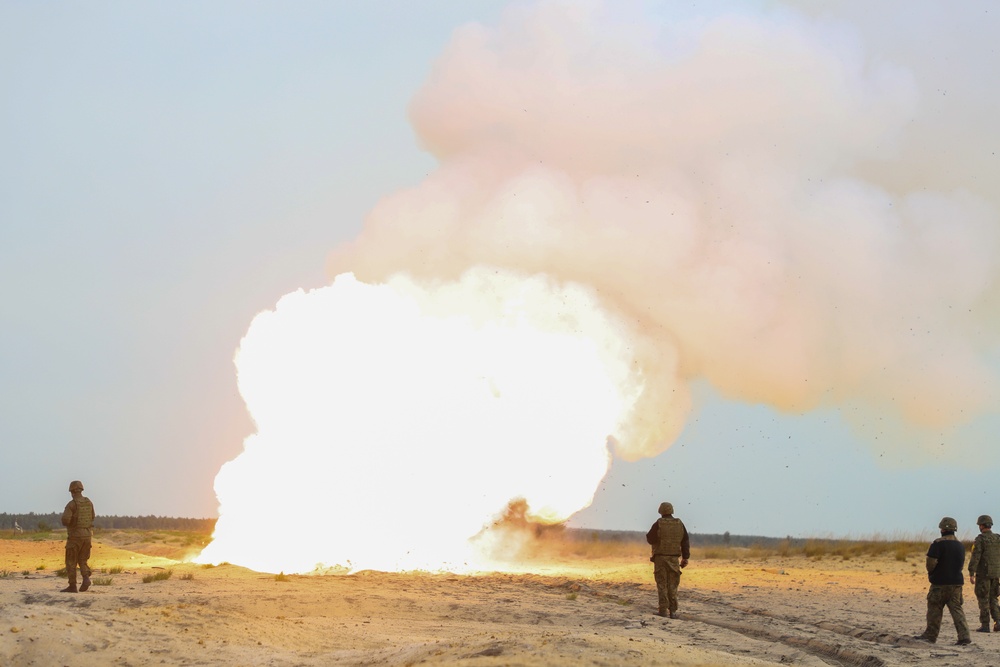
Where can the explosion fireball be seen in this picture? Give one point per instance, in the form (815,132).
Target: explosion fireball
(410,417)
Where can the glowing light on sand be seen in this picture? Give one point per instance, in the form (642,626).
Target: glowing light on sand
(395,421)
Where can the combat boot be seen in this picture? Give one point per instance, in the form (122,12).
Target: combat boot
(85,585)
(996,627)
(69,589)
(985,627)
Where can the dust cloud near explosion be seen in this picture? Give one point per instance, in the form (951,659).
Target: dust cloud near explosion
(623,204)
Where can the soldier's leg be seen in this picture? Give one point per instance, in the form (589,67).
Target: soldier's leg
(954,602)
(982,590)
(660,574)
(82,559)
(72,551)
(935,610)
(673,580)
(84,556)
(994,603)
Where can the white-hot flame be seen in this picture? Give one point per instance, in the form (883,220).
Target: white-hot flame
(395,422)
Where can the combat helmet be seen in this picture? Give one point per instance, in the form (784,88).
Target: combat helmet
(984,520)
(948,523)
(666,508)
(75,485)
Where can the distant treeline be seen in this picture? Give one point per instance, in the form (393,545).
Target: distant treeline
(32,522)
(697,539)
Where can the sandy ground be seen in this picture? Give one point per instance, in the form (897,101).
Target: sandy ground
(568,612)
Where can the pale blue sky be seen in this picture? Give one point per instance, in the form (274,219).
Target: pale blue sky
(168,170)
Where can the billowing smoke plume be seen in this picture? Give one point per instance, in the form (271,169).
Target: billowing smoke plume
(732,186)
(622,206)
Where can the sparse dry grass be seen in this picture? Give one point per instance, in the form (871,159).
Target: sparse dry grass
(718,553)
(162,575)
(818,549)
(594,546)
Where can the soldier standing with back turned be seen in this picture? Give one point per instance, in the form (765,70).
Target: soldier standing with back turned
(984,573)
(670,541)
(78,517)
(945,558)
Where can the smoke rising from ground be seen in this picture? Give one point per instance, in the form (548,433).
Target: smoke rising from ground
(744,190)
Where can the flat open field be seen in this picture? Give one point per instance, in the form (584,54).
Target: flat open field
(592,608)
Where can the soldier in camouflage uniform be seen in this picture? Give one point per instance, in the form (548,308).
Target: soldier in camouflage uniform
(984,573)
(945,558)
(78,517)
(670,542)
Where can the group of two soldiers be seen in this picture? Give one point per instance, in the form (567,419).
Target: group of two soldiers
(672,549)
(945,559)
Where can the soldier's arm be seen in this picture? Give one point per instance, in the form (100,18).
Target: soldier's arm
(977,553)
(653,536)
(931,564)
(685,546)
(67,515)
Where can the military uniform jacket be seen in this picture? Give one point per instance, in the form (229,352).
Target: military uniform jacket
(78,517)
(669,537)
(985,558)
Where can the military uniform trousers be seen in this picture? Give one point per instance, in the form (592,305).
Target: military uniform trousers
(937,598)
(77,553)
(987,591)
(667,572)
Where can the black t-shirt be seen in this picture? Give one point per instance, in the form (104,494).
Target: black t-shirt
(950,556)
